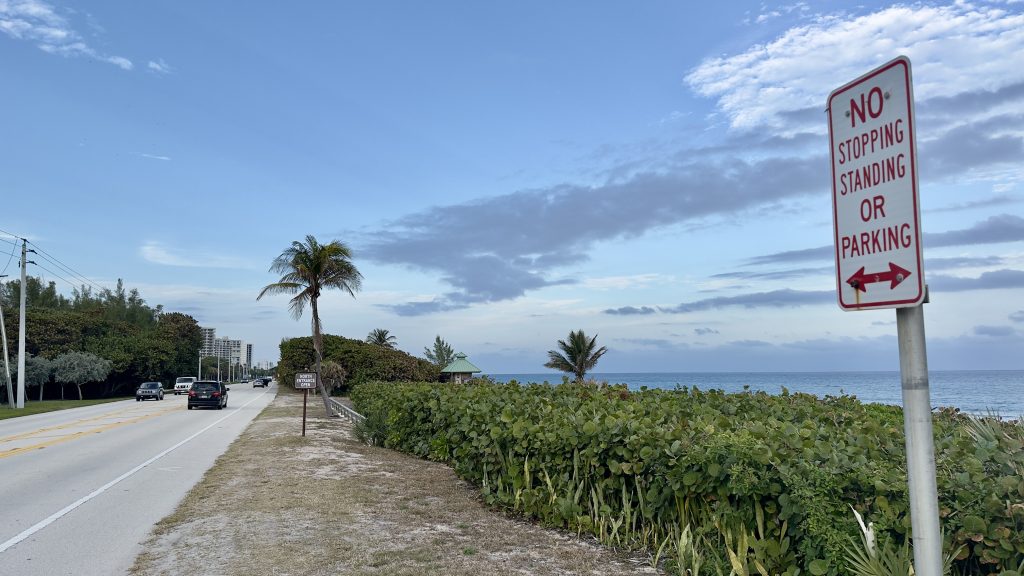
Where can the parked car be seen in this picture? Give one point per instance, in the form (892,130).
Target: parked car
(149,391)
(182,384)
(209,393)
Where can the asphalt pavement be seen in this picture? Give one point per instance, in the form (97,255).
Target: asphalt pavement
(83,488)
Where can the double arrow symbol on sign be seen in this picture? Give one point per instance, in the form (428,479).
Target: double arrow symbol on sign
(894,276)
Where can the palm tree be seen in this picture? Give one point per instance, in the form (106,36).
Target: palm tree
(306,270)
(381,337)
(578,355)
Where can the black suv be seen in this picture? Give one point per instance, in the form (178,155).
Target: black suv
(208,393)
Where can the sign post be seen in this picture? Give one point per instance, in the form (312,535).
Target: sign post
(305,381)
(879,264)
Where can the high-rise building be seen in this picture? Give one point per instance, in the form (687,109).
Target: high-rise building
(209,341)
(235,352)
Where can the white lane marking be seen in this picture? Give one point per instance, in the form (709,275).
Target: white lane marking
(64,511)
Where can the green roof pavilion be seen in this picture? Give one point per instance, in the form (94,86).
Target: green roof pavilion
(460,369)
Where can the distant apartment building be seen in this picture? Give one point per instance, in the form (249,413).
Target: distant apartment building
(209,347)
(236,352)
(230,349)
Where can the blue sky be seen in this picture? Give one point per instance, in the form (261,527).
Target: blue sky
(654,173)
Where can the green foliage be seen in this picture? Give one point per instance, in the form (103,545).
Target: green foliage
(307,269)
(80,368)
(578,355)
(441,355)
(763,482)
(361,362)
(381,337)
(140,341)
(38,370)
(333,375)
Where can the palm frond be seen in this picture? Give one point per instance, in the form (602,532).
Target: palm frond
(280,288)
(578,355)
(298,304)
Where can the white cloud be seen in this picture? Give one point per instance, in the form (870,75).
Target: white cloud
(122,63)
(160,67)
(624,282)
(155,157)
(39,22)
(157,253)
(959,48)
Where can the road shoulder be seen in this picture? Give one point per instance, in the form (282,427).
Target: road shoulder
(278,503)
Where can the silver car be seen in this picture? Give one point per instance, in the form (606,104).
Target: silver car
(149,391)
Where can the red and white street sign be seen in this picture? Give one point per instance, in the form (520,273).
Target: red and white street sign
(874,190)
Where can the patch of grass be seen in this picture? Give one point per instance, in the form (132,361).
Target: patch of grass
(50,406)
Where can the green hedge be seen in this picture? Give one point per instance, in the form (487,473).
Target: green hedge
(362,362)
(764,480)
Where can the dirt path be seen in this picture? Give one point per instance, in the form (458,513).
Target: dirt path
(280,504)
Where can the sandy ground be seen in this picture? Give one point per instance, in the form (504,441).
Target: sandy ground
(278,503)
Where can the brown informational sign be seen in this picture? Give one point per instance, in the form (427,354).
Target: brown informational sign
(305,380)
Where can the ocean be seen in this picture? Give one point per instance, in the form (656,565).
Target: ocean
(976,391)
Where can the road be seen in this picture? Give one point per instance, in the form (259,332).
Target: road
(81,489)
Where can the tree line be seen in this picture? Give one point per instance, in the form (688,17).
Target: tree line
(103,342)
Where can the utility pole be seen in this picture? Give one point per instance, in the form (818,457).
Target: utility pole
(21,330)
(199,376)
(7,364)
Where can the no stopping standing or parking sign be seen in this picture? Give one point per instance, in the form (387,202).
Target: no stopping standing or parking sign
(874,190)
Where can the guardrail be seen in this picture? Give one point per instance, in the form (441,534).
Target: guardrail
(340,409)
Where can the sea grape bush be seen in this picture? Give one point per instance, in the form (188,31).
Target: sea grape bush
(765,483)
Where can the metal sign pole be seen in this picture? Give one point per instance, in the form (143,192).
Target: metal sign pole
(917,424)
(305,394)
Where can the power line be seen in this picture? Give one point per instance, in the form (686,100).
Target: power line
(55,274)
(13,250)
(65,268)
(53,260)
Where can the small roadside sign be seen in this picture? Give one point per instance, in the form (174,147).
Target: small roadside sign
(875,205)
(305,380)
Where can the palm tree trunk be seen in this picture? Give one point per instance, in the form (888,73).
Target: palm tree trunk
(318,353)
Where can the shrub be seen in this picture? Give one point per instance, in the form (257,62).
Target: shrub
(767,481)
(361,362)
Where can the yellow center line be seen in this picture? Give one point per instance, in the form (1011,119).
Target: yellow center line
(81,433)
(41,431)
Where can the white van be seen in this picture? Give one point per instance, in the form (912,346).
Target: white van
(182,384)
